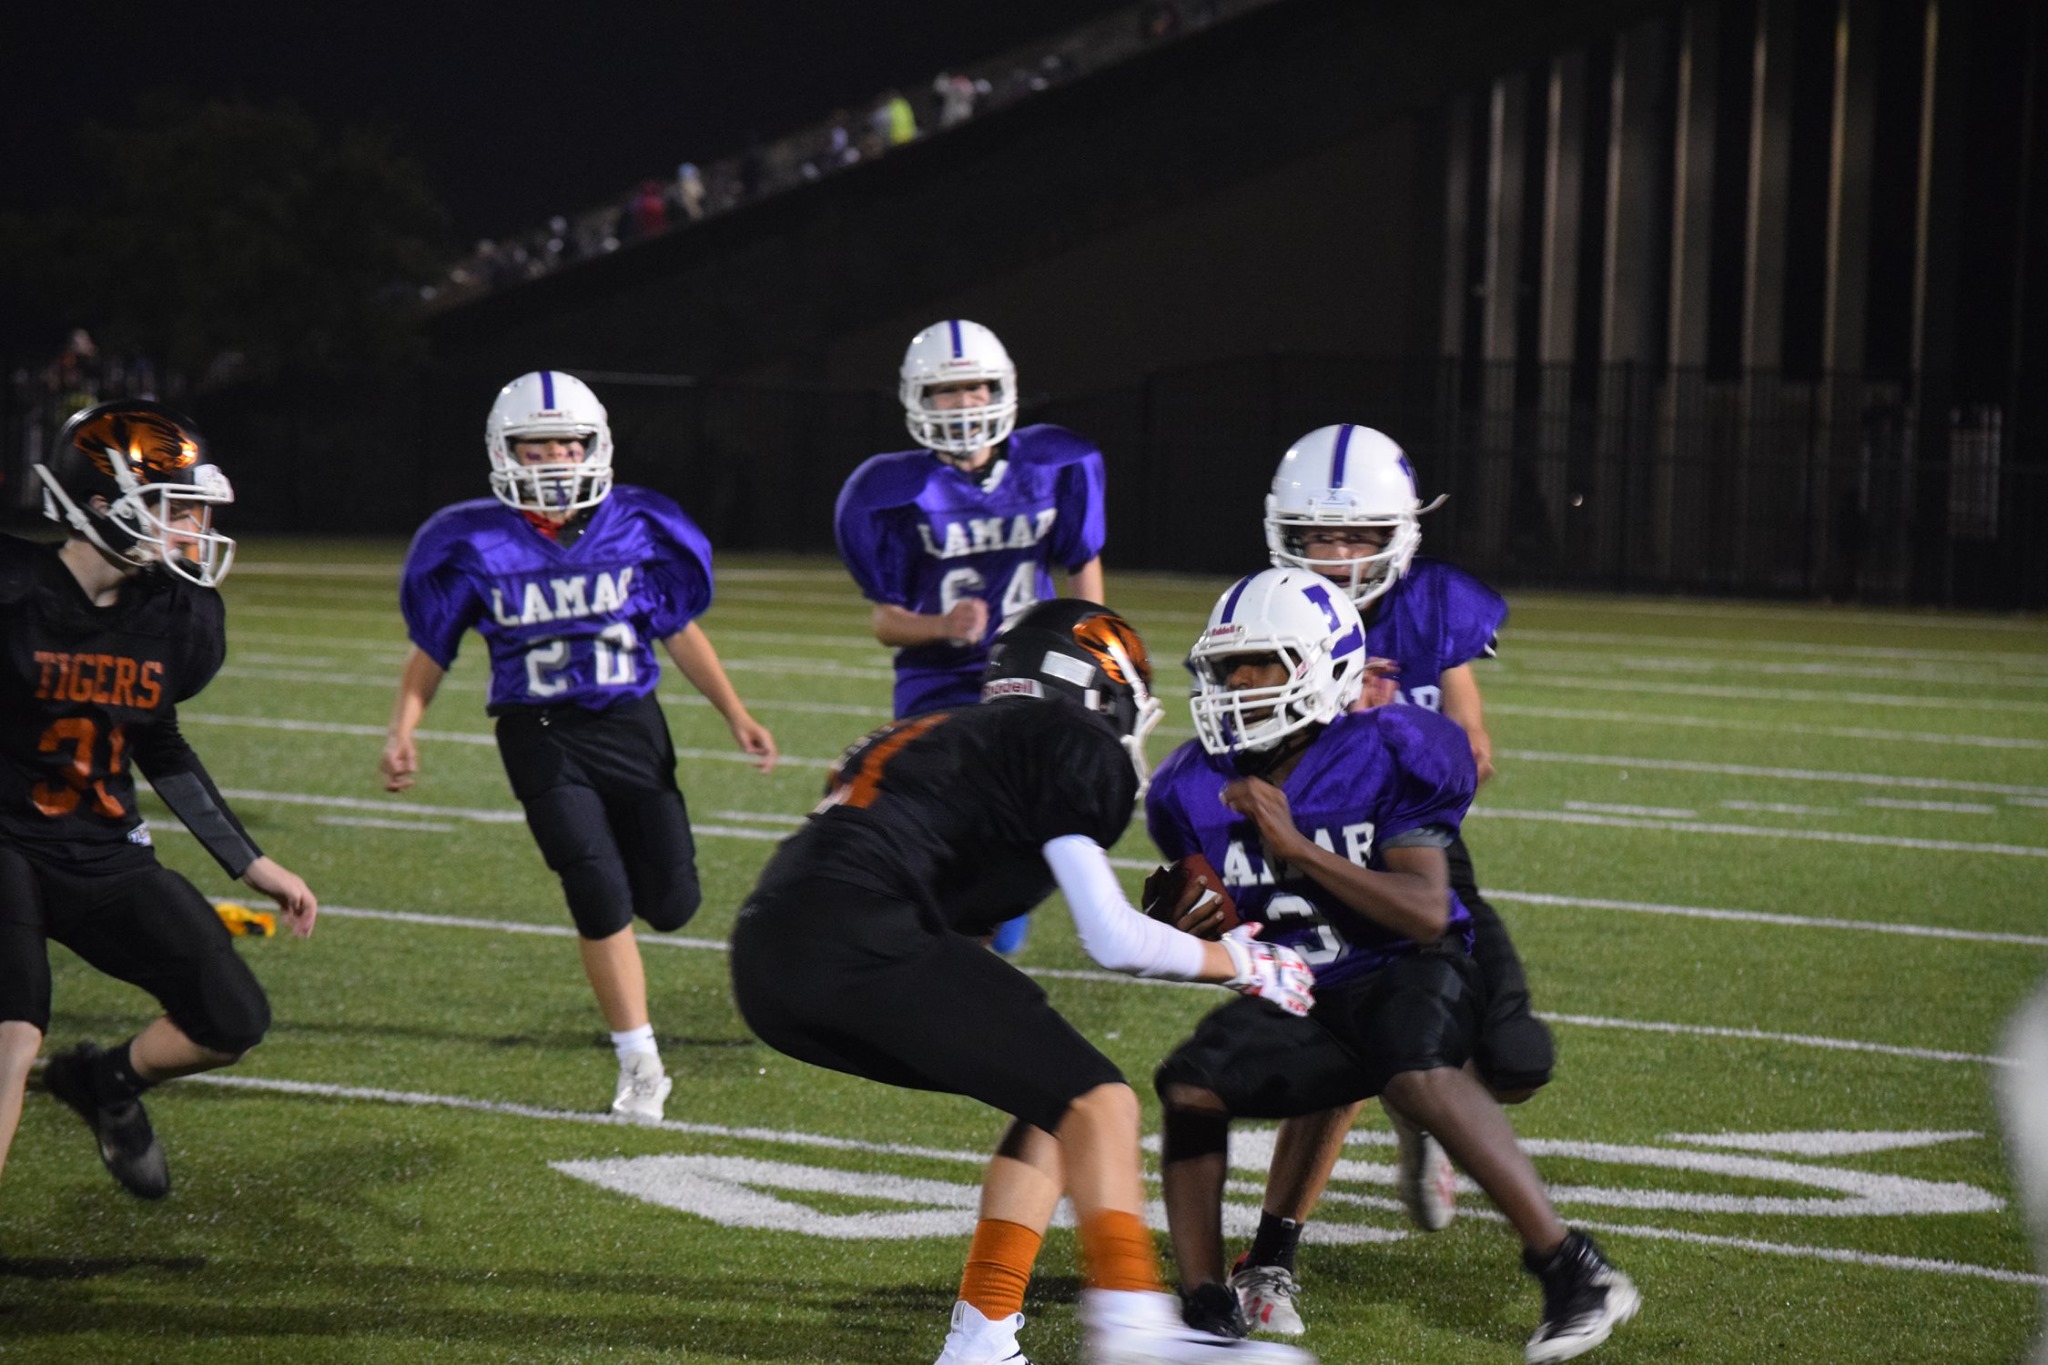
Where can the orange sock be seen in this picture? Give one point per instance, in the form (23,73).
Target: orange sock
(998,1267)
(1117,1252)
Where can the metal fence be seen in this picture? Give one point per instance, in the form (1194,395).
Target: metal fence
(1623,478)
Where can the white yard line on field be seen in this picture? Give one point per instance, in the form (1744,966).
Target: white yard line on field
(1819,836)
(1748,725)
(1689,765)
(1580,683)
(1097,975)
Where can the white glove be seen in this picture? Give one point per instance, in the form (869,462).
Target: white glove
(1269,971)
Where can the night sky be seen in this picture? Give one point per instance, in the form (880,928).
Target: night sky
(517,110)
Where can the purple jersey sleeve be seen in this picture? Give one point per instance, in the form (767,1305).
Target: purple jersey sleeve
(678,569)
(1082,527)
(436,593)
(877,537)
(1432,778)
(1436,618)
(1165,816)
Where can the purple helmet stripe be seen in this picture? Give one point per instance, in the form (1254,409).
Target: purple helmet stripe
(1409,470)
(547,389)
(1337,460)
(1230,604)
(958,350)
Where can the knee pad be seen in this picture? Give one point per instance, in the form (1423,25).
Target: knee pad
(227,1010)
(674,905)
(599,900)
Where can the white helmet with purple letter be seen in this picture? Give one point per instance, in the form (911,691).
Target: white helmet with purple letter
(1348,477)
(539,406)
(958,352)
(1287,616)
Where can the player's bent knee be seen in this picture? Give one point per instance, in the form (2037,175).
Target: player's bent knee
(674,908)
(599,901)
(230,1014)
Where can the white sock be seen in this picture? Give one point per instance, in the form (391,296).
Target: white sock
(635,1040)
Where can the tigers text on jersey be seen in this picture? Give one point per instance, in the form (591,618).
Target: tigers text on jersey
(951,810)
(565,624)
(919,534)
(1435,617)
(79,688)
(1367,777)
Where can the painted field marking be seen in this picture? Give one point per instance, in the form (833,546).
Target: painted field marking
(1823,836)
(1934,807)
(1765,917)
(1940,673)
(1576,683)
(1118,978)
(728,1189)
(1779,808)
(1749,726)
(1688,765)
(1655,812)
(373,822)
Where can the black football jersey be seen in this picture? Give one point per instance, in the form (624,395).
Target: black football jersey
(85,693)
(951,810)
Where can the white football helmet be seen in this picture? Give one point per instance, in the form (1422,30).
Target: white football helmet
(952,352)
(535,406)
(1345,476)
(1305,620)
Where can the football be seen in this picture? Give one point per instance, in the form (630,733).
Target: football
(1191,884)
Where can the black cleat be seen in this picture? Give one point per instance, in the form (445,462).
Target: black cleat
(1584,1300)
(1213,1308)
(128,1146)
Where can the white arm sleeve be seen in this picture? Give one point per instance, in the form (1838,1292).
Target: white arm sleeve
(1113,931)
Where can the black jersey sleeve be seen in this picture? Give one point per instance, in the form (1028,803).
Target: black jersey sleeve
(181,780)
(1085,780)
(203,627)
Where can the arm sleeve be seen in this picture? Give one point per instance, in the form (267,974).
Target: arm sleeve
(868,544)
(1473,616)
(1082,527)
(437,598)
(1433,779)
(1112,932)
(679,572)
(181,780)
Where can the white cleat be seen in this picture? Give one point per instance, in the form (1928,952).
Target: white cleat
(643,1086)
(1423,1176)
(1266,1293)
(1121,1327)
(976,1340)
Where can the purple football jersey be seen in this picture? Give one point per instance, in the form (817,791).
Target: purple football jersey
(917,533)
(1436,617)
(573,624)
(1368,777)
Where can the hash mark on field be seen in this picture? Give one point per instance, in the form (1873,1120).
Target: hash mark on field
(1779,808)
(1764,917)
(1936,807)
(1658,812)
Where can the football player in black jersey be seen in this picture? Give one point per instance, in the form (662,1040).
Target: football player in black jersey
(104,635)
(860,951)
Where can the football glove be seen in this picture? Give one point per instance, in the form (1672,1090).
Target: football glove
(1269,971)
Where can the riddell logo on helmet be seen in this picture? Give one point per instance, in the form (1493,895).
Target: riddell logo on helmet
(1011,687)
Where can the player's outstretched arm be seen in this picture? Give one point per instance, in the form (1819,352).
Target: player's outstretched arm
(1462,704)
(691,648)
(417,684)
(288,889)
(1122,938)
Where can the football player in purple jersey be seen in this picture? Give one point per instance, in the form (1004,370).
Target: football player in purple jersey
(1329,827)
(572,582)
(1343,505)
(104,635)
(955,539)
(860,951)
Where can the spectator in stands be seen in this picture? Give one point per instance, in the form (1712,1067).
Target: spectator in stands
(690,191)
(894,119)
(1158,20)
(650,210)
(956,98)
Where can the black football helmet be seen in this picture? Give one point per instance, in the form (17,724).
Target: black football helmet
(1082,654)
(147,462)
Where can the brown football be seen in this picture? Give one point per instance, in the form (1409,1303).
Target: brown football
(1174,890)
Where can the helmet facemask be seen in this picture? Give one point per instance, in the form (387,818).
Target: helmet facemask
(1296,620)
(953,353)
(549,405)
(140,491)
(1364,577)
